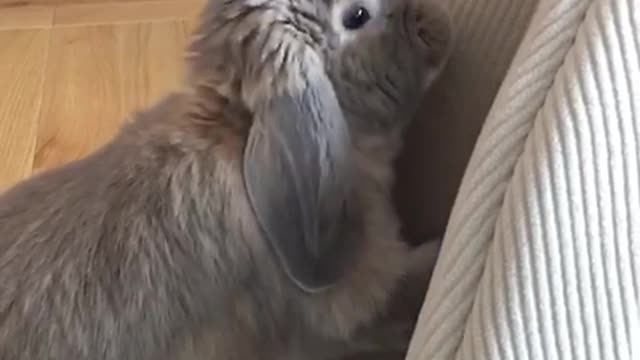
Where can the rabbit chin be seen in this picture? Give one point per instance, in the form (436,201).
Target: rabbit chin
(430,76)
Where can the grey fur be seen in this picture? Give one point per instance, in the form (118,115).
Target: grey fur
(296,170)
(149,249)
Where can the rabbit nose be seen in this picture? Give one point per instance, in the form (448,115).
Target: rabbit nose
(431,30)
(422,28)
(422,31)
(415,26)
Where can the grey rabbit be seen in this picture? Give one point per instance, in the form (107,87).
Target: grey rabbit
(246,215)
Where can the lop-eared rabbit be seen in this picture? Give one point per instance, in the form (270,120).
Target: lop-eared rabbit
(246,216)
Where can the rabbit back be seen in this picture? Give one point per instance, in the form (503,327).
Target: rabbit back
(105,258)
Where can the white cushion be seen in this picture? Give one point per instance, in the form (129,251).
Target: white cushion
(541,254)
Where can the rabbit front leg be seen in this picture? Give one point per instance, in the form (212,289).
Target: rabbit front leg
(422,259)
(389,335)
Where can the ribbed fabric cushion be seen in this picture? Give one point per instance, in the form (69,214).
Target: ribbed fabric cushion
(541,259)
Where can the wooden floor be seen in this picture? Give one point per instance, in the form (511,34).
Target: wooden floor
(70,72)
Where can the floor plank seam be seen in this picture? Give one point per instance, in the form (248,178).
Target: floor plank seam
(45,78)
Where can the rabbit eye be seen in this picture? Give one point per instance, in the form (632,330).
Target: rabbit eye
(356,18)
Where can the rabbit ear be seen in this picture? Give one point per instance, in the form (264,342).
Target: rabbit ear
(296,171)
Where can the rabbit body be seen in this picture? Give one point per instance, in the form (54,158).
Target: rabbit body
(151,239)
(157,247)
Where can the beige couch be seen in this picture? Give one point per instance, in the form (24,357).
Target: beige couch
(541,257)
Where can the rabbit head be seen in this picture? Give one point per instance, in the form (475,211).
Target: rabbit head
(386,55)
(379,55)
(310,76)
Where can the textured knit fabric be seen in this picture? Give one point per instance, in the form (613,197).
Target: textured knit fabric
(541,258)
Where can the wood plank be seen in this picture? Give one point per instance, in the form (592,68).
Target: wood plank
(97,76)
(22,63)
(82,101)
(26,17)
(126,12)
(15,3)
(151,61)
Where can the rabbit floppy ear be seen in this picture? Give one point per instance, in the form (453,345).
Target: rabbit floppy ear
(296,171)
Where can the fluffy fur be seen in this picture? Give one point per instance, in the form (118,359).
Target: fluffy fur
(151,248)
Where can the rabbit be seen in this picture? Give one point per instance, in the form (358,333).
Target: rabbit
(247,214)
(388,336)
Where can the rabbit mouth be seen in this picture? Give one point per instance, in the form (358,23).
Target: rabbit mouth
(414,31)
(425,38)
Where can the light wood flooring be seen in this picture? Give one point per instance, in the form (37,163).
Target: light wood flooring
(71,71)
